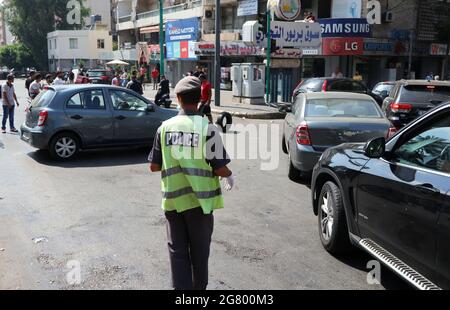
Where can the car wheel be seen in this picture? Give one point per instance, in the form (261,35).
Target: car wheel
(332,221)
(64,146)
(283,145)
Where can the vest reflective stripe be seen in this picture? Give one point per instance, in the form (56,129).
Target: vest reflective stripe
(187,171)
(189,190)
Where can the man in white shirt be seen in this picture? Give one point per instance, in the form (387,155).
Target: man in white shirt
(8,99)
(59,79)
(337,74)
(35,87)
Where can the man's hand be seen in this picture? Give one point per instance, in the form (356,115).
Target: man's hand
(18,105)
(229,183)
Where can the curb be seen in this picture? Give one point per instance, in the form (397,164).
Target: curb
(258,116)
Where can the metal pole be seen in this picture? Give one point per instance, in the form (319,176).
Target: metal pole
(217,57)
(268,55)
(410,54)
(161,36)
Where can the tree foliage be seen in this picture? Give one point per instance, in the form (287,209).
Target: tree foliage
(31,22)
(16,56)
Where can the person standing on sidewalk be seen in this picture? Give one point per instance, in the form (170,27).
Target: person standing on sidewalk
(155,75)
(191,157)
(205,99)
(9,100)
(135,85)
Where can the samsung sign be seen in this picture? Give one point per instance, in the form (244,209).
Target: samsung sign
(345,27)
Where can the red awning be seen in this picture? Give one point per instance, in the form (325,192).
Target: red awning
(151,29)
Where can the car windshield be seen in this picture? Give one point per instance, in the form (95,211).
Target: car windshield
(43,99)
(310,85)
(424,93)
(97,73)
(341,108)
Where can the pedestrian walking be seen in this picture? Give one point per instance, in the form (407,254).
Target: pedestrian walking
(116,79)
(205,99)
(71,77)
(191,186)
(29,80)
(142,75)
(135,85)
(35,87)
(59,79)
(124,79)
(9,100)
(48,82)
(155,75)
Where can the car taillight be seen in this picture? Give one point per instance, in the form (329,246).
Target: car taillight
(302,134)
(324,86)
(104,78)
(43,115)
(401,107)
(391,132)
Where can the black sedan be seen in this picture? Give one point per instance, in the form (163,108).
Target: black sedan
(318,121)
(391,199)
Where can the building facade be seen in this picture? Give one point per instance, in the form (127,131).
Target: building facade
(382,51)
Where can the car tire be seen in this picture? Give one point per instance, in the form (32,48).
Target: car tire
(283,145)
(332,221)
(64,146)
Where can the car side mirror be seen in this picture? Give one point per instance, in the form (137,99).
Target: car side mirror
(150,108)
(375,148)
(384,94)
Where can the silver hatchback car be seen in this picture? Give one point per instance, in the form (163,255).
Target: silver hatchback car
(67,119)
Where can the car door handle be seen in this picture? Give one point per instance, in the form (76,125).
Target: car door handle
(76,117)
(120,118)
(427,189)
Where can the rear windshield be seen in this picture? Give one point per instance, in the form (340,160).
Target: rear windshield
(424,93)
(383,87)
(97,73)
(341,108)
(311,85)
(43,99)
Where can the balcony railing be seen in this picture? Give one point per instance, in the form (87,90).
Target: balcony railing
(125,19)
(172,9)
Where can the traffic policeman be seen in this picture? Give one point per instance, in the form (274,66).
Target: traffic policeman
(190,155)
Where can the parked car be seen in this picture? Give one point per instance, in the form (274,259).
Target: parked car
(318,121)
(391,199)
(314,85)
(66,119)
(383,89)
(410,99)
(99,76)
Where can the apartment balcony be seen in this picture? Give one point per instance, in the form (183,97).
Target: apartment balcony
(144,19)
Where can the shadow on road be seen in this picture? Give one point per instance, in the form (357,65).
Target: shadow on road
(389,280)
(96,158)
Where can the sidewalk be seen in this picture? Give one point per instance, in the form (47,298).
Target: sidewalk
(227,105)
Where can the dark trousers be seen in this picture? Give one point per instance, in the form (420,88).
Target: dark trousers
(8,113)
(189,240)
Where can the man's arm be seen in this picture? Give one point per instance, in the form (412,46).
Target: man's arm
(15,98)
(209,95)
(155,157)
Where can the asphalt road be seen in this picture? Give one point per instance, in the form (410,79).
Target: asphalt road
(103,211)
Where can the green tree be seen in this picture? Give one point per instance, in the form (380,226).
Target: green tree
(31,23)
(16,56)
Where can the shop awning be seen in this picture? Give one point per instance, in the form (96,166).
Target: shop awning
(151,29)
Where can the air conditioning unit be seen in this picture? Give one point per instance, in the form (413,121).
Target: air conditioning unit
(209,14)
(388,17)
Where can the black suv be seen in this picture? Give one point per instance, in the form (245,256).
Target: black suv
(314,85)
(410,99)
(392,199)
(99,76)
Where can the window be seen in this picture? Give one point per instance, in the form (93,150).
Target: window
(43,99)
(73,44)
(429,149)
(56,46)
(49,44)
(424,93)
(90,100)
(100,44)
(342,108)
(125,101)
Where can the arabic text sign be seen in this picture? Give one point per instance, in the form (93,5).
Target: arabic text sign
(345,27)
(247,7)
(182,30)
(296,34)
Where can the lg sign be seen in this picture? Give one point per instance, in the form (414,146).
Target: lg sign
(343,46)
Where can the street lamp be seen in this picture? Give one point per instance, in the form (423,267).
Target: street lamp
(161,36)
(217,57)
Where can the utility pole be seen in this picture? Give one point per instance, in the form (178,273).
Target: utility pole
(268,55)
(161,36)
(217,57)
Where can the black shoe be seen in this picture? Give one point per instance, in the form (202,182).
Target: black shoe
(14,130)
(3,130)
